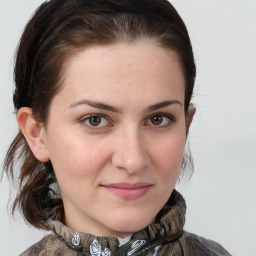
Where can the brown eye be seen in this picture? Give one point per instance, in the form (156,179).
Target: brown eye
(156,120)
(160,120)
(94,120)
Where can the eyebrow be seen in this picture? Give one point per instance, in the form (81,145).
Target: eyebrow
(107,107)
(162,105)
(96,104)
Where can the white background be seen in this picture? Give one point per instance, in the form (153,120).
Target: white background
(221,196)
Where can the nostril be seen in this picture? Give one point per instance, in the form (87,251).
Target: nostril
(130,160)
(130,153)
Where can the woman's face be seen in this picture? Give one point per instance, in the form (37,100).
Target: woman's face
(115,136)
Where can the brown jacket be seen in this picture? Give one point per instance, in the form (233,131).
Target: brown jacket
(165,237)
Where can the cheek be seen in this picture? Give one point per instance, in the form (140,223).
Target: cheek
(78,168)
(74,158)
(168,155)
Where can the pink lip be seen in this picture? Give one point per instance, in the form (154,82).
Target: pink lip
(128,191)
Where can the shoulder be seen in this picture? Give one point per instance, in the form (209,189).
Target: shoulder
(201,246)
(43,246)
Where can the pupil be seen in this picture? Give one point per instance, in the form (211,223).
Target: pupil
(156,120)
(95,120)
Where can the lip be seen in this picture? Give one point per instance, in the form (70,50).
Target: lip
(128,191)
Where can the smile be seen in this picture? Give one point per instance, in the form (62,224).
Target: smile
(128,191)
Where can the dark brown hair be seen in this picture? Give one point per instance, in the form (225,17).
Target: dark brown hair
(56,31)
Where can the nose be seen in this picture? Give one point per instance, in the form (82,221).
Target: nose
(130,152)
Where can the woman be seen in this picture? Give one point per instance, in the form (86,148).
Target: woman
(103,91)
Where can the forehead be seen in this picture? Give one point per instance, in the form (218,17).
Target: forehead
(142,68)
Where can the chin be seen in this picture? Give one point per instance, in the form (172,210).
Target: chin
(131,224)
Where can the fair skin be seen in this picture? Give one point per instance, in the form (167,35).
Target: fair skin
(117,168)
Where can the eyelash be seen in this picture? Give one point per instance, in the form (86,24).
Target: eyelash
(170,120)
(88,117)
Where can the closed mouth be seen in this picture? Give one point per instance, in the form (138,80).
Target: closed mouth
(128,191)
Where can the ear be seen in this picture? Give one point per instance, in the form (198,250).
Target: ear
(34,133)
(189,118)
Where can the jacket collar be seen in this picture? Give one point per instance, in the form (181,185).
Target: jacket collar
(168,226)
